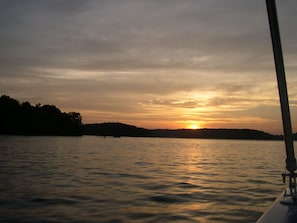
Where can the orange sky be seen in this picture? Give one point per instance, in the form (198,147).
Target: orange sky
(153,64)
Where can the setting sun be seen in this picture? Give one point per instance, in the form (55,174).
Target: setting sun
(194,126)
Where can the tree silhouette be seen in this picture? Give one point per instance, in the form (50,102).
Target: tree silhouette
(40,119)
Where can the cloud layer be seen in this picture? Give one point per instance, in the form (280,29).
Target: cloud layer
(150,63)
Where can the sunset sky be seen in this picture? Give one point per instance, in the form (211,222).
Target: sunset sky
(150,63)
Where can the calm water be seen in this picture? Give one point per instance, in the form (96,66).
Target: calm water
(93,179)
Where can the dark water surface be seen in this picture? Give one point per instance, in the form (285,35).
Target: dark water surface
(93,179)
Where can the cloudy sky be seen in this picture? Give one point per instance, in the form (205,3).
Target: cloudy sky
(150,63)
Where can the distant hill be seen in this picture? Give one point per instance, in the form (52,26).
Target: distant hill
(115,129)
(120,129)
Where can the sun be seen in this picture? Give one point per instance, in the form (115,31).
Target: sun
(194,126)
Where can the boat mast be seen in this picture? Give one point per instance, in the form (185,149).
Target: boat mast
(282,88)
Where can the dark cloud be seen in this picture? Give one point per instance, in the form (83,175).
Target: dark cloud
(124,31)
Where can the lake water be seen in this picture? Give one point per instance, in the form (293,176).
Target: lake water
(94,179)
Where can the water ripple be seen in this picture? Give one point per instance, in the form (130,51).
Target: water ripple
(92,179)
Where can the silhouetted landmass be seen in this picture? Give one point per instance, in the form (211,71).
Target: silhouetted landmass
(115,130)
(120,129)
(25,119)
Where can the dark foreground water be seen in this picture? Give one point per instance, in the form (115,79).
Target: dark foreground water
(93,179)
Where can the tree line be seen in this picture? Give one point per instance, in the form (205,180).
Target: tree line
(121,129)
(25,119)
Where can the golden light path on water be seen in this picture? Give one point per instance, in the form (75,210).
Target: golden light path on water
(137,179)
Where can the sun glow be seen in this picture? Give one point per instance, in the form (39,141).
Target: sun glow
(194,125)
